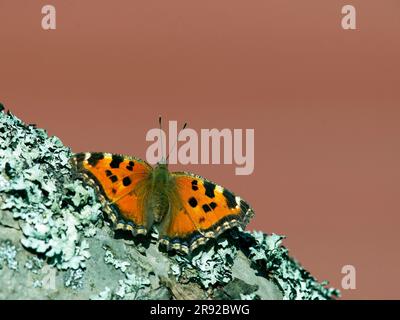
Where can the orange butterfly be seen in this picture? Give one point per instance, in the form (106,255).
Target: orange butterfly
(186,208)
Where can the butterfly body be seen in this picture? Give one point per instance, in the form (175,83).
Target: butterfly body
(187,209)
(161,190)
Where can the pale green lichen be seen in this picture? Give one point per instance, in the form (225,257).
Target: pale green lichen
(251,296)
(129,288)
(37,187)
(73,278)
(208,267)
(8,253)
(109,258)
(34,264)
(270,257)
(103,295)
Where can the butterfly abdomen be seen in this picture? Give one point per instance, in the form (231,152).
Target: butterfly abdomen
(161,186)
(158,206)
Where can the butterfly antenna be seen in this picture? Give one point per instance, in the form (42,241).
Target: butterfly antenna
(177,138)
(161,141)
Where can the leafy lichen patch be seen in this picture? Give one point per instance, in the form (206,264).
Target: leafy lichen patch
(270,257)
(8,254)
(207,267)
(37,187)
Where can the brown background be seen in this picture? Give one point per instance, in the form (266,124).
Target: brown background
(324,103)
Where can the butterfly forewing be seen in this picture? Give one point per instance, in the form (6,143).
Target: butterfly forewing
(117,178)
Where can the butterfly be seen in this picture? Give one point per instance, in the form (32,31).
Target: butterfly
(186,209)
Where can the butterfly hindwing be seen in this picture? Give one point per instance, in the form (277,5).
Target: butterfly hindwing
(207,210)
(116,177)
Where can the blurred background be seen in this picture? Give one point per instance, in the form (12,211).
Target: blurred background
(324,103)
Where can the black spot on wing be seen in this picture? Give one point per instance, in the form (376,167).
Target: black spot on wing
(193,202)
(230,199)
(213,205)
(194,185)
(126,181)
(108,173)
(113,179)
(116,161)
(130,166)
(209,189)
(95,158)
(80,157)
(206,208)
(244,206)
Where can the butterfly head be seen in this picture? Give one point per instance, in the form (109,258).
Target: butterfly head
(161,166)
(160,174)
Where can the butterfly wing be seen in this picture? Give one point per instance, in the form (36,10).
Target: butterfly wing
(206,211)
(118,180)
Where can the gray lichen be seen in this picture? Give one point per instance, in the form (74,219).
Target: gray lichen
(74,278)
(131,285)
(103,295)
(65,241)
(270,257)
(34,264)
(118,264)
(36,186)
(208,267)
(8,253)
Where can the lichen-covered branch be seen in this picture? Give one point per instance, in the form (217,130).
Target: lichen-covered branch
(56,244)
